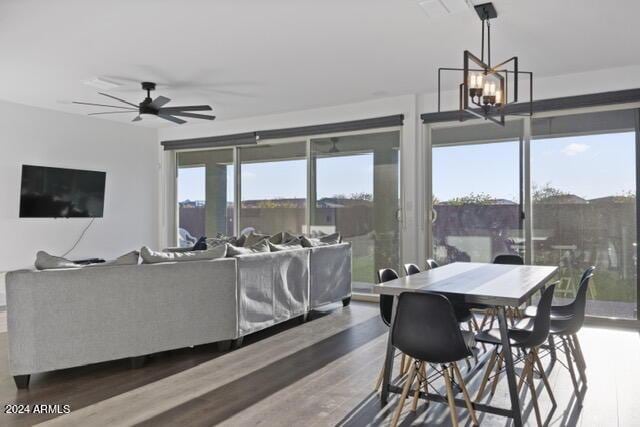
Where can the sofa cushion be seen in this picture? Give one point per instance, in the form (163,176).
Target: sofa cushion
(253,238)
(261,246)
(45,261)
(329,239)
(153,257)
(286,246)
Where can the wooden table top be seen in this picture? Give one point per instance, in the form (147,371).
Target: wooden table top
(472,282)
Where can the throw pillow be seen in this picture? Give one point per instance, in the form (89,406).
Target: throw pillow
(200,245)
(261,246)
(130,258)
(153,257)
(253,238)
(287,246)
(45,261)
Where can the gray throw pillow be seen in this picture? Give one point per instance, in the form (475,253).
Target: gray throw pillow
(330,239)
(252,238)
(261,246)
(44,261)
(287,246)
(153,257)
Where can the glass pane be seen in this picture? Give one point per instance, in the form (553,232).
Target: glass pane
(356,192)
(476,191)
(274,188)
(205,194)
(584,199)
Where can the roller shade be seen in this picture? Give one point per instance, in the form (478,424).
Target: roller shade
(350,126)
(211,141)
(552,104)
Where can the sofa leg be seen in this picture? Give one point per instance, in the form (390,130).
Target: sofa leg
(224,346)
(22,381)
(346,301)
(137,362)
(237,343)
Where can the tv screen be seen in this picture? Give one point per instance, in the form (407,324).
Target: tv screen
(61,193)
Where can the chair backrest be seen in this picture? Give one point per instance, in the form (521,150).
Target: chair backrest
(431,263)
(386,301)
(588,272)
(542,321)
(579,306)
(410,269)
(512,259)
(426,329)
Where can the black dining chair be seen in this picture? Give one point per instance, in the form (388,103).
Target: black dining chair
(426,329)
(431,263)
(566,322)
(512,259)
(462,311)
(528,339)
(386,309)
(410,269)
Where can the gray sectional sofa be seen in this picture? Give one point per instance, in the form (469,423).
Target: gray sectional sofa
(65,318)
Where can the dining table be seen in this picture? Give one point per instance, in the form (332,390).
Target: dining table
(491,285)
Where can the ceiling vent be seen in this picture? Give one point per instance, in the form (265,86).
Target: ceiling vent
(440,8)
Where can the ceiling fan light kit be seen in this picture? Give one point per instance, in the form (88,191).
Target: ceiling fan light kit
(486,89)
(152,107)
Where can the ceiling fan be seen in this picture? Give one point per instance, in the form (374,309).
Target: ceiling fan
(154,107)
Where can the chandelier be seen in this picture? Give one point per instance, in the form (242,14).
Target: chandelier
(486,89)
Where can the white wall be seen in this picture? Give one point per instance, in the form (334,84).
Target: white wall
(129,155)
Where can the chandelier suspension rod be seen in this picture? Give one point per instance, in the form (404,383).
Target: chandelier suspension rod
(489,43)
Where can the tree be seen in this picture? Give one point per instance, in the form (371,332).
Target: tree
(546,192)
(471,199)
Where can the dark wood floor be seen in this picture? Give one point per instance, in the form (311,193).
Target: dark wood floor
(319,374)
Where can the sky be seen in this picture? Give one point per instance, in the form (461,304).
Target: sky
(588,166)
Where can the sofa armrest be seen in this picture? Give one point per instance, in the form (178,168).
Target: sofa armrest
(329,274)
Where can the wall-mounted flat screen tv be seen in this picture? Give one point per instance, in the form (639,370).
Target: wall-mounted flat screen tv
(61,193)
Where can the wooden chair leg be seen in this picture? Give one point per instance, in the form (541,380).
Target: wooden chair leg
(450,398)
(532,388)
(497,374)
(525,370)
(543,374)
(465,394)
(403,362)
(487,372)
(475,322)
(567,353)
(578,359)
(416,393)
(403,396)
(379,380)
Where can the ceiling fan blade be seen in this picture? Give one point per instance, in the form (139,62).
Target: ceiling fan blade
(137,118)
(193,115)
(188,108)
(159,102)
(118,99)
(110,112)
(104,105)
(172,119)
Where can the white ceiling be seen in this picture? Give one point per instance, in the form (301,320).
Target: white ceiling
(253,57)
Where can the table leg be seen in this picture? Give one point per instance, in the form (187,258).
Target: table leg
(511,375)
(388,361)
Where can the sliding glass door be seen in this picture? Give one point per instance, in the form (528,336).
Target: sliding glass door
(355,190)
(584,206)
(204,194)
(477,211)
(274,188)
